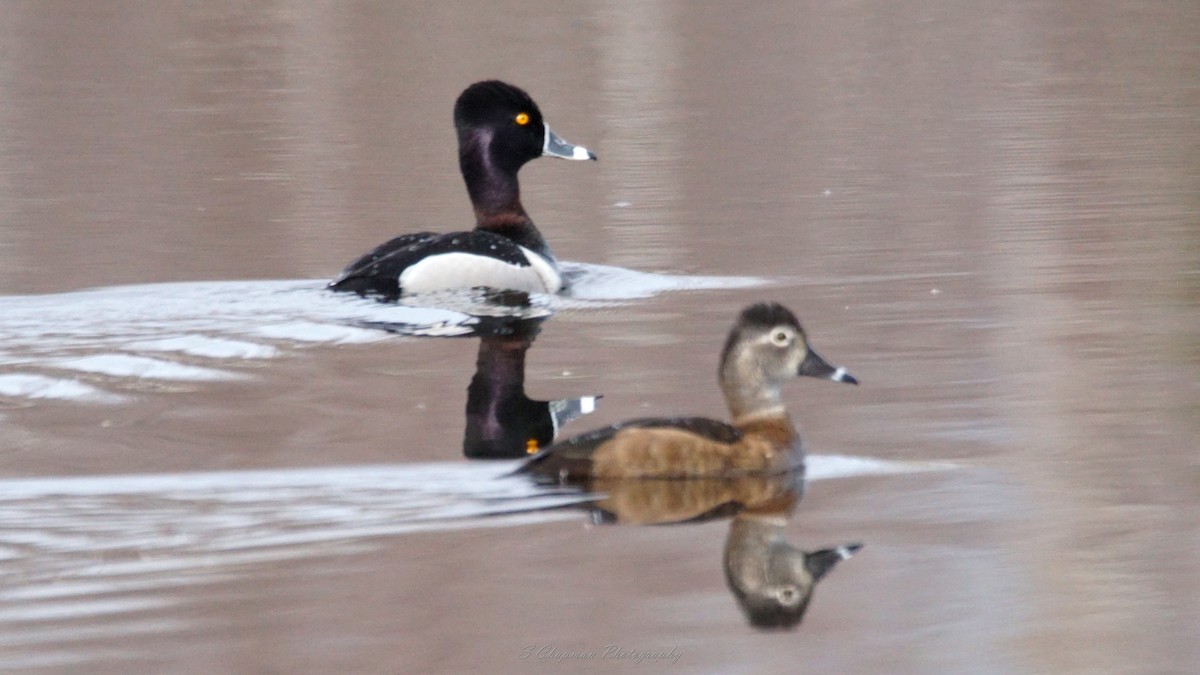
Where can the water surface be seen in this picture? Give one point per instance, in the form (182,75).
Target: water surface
(988,213)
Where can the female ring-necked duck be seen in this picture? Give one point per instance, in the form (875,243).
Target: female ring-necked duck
(499,129)
(772,580)
(766,348)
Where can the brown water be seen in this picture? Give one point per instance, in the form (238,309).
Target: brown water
(988,212)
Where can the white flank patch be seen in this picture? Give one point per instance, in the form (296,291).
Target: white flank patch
(465,270)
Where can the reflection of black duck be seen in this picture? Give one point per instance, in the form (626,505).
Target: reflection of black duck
(502,422)
(766,348)
(772,580)
(499,129)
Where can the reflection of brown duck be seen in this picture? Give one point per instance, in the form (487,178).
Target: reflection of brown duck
(649,501)
(772,580)
(766,347)
(502,422)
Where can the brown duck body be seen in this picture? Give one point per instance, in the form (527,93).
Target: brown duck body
(765,348)
(675,448)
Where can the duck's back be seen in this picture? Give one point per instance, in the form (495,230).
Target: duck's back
(425,261)
(658,446)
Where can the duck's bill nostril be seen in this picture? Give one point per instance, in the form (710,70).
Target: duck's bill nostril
(815,366)
(555,146)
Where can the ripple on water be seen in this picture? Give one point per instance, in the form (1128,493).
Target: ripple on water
(161,331)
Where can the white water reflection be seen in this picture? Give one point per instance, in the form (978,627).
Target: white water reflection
(28,385)
(90,558)
(112,527)
(86,345)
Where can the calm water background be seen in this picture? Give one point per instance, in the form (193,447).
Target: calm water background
(989,212)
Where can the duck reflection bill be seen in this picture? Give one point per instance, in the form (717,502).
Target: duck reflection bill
(820,562)
(816,366)
(502,421)
(566,409)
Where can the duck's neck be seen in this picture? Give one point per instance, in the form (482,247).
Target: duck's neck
(498,411)
(749,399)
(495,193)
(757,408)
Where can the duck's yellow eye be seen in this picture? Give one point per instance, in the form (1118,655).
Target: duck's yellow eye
(531,446)
(522,118)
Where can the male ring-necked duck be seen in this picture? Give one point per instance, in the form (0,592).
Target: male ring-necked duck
(499,129)
(766,348)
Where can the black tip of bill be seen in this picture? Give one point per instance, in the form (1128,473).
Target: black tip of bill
(815,366)
(840,375)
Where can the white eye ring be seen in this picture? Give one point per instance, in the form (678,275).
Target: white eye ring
(781,337)
(788,595)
